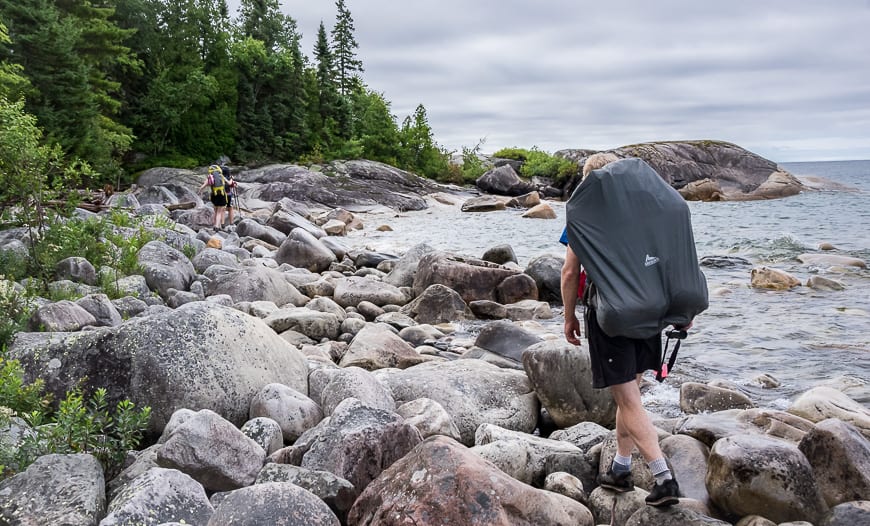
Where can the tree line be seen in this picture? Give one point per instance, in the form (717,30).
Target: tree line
(115,86)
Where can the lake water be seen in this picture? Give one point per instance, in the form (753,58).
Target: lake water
(801,337)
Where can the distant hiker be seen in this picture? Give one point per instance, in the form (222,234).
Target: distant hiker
(217,194)
(618,361)
(231,191)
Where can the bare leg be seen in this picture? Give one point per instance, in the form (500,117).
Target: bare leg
(633,426)
(218,216)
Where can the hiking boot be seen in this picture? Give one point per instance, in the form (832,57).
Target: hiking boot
(618,482)
(665,494)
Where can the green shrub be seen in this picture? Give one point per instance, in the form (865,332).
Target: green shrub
(81,426)
(17,308)
(15,395)
(537,163)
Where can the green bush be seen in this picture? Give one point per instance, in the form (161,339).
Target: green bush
(537,163)
(17,308)
(79,425)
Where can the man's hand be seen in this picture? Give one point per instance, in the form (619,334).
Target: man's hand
(572,330)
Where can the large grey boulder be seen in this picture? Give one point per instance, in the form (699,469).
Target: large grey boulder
(358,442)
(159,496)
(336,492)
(529,458)
(442,482)
(377,346)
(840,457)
(405,268)
(101,308)
(63,316)
(287,220)
(473,392)
(55,489)
(546,270)
(350,292)
(313,324)
(165,268)
(848,514)
(429,418)
(561,374)
(232,460)
(821,403)
(254,283)
(273,503)
(303,250)
(503,180)
(251,228)
(438,304)
(77,269)
(505,339)
(354,382)
(265,432)
(473,279)
(212,256)
(200,356)
(294,412)
(774,479)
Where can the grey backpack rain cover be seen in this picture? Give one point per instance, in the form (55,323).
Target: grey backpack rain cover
(633,234)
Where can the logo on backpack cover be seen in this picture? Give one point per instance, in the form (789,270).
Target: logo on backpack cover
(650,261)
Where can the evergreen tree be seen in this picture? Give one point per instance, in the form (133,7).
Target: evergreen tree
(270,112)
(12,83)
(326,102)
(419,150)
(344,46)
(375,128)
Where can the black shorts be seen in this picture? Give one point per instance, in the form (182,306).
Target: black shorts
(229,199)
(617,359)
(219,199)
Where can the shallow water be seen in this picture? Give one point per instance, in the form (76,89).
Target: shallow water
(802,337)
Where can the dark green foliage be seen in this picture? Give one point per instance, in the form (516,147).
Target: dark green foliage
(537,163)
(344,46)
(83,425)
(419,151)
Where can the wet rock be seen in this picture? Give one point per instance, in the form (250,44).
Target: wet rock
(763,476)
(831,260)
(540,211)
(500,254)
(771,278)
(701,398)
(840,457)
(485,203)
(516,288)
(503,180)
(687,458)
(405,268)
(546,271)
(822,283)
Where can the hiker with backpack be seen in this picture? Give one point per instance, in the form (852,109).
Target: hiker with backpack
(231,192)
(217,193)
(630,234)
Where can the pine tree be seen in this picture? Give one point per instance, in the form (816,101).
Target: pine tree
(344,46)
(12,83)
(419,149)
(327,101)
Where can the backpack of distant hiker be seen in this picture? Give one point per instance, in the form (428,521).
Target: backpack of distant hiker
(633,234)
(216,180)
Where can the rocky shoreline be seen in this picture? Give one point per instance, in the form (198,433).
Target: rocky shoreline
(296,381)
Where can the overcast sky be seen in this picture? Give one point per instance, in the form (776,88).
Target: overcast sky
(787,79)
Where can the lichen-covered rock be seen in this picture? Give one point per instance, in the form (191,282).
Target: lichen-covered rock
(201,356)
(55,489)
(159,496)
(273,503)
